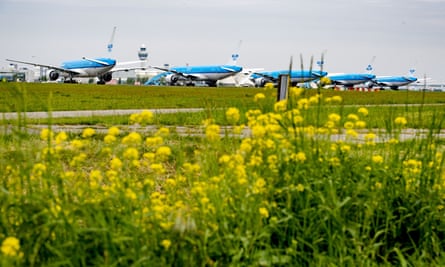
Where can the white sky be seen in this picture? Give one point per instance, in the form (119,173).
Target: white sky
(401,34)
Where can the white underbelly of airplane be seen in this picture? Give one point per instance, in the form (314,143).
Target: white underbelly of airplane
(214,76)
(350,81)
(301,79)
(92,72)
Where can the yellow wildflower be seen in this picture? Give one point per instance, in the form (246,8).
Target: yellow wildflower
(232,115)
(264,212)
(77,144)
(377,159)
(212,132)
(132,138)
(145,117)
(163,152)
(166,244)
(115,164)
(108,139)
(370,137)
(300,156)
(268,86)
(130,194)
(11,247)
(157,168)
(360,124)
(345,148)
(153,141)
(363,111)
(131,153)
(378,185)
(300,188)
(303,103)
(61,137)
(113,131)
(337,99)
(88,132)
(334,117)
(280,106)
(349,125)
(46,134)
(314,99)
(258,97)
(163,131)
(258,131)
(400,121)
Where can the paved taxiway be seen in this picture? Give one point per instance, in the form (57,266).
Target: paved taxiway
(406,134)
(90,113)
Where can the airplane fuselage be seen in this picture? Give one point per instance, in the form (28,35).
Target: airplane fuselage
(296,76)
(88,68)
(207,73)
(350,79)
(394,81)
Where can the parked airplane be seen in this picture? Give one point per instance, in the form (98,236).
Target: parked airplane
(348,80)
(209,74)
(86,67)
(198,75)
(101,67)
(394,82)
(296,76)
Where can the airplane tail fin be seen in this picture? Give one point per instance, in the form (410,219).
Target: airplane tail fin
(369,68)
(110,44)
(235,55)
(411,72)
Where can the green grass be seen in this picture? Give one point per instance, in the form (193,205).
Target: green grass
(38,97)
(93,97)
(287,195)
(428,109)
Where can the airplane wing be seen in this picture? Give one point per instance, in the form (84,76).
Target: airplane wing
(117,69)
(177,72)
(229,69)
(266,76)
(121,66)
(45,66)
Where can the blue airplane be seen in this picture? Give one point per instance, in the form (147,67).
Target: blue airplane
(101,67)
(198,75)
(86,67)
(296,76)
(350,79)
(394,82)
(189,75)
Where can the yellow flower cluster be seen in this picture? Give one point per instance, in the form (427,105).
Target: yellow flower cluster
(143,118)
(232,116)
(213,132)
(11,247)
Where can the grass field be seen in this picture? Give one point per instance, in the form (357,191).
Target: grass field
(287,195)
(38,97)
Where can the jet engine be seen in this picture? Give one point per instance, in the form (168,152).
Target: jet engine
(53,75)
(260,82)
(172,79)
(106,77)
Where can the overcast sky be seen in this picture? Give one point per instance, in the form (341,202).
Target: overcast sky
(400,34)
